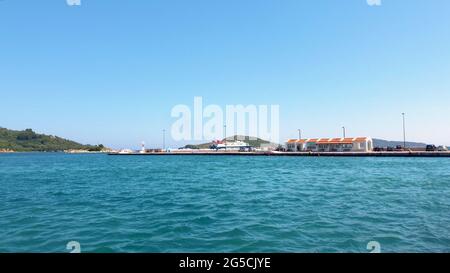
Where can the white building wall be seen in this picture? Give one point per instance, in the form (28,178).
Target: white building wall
(360,146)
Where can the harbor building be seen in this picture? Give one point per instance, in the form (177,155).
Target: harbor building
(357,144)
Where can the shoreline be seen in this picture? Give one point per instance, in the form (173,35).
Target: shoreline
(276,154)
(294,154)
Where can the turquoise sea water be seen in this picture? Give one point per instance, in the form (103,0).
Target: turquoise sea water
(223,204)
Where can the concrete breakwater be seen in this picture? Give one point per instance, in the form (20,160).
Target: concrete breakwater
(334,154)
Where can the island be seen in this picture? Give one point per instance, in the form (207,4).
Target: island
(30,141)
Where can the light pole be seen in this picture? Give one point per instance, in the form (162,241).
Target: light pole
(299,134)
(225,135)
(343,130)
(404,131)
(164,140)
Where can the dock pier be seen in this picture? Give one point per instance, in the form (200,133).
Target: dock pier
(314,154)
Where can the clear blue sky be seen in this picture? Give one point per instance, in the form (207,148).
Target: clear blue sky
(110,71)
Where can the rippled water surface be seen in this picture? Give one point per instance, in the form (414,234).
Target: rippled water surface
(223,204)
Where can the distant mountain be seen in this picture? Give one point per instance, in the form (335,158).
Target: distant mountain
(29,141)
(252,141)
(386,143)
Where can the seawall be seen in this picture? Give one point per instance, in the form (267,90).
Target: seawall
(329,154)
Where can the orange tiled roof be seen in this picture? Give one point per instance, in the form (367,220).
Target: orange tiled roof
(344,142)
(347,140)
(336,141)
(323,140)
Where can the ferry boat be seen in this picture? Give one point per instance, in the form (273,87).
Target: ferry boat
(231,146)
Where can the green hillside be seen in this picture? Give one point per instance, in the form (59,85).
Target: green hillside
(254,142)
(29,141)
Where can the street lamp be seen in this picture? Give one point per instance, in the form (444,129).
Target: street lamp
(225,135)
(164,140)
(404,131)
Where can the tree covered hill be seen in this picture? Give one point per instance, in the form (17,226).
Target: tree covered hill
(29,141)
(386,143)
(252,141)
